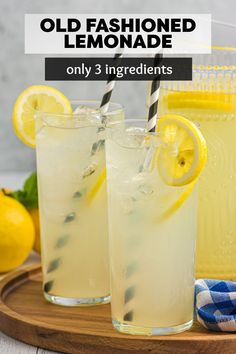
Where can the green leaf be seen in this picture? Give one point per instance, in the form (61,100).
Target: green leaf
(28,196)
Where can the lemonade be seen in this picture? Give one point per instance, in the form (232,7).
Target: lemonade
(212,106)
(151,253)
(72,200)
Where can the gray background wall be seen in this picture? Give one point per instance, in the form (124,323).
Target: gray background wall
(17,71)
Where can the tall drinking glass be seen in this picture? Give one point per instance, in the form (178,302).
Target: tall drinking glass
(73,207)
(210,99)
(151,254)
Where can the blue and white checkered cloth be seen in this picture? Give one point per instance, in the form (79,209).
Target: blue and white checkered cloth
(215,302)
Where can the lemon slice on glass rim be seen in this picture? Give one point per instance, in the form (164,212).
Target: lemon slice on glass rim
(183,154)
(181,158)
(41,98)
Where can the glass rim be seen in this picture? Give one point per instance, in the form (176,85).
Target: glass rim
(79,120)
(117,132)
(119,108)
(112,125)
(223,24)
(221,48)
(141,119)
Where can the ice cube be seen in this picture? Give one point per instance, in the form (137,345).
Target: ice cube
(92,113)
(145,189)
(85,110)
(128,205)
(89,170)
(135,137)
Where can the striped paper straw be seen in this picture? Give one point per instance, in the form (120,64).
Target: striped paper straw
(132,268)
(130,289)
(153,111)
(110,86)
(154,98)
(104,106)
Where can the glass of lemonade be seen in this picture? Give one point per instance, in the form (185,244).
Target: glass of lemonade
(151,245)
(210,100)
(73,206)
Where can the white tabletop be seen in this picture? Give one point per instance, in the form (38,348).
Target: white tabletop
(9,345)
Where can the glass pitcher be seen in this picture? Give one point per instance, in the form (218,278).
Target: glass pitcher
(210,101)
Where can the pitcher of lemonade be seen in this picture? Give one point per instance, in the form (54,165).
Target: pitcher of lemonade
(210,101)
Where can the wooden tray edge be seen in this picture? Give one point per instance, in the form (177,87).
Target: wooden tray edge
(14,324)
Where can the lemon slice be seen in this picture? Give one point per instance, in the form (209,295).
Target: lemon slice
(40,98)
(183,153)
(97,186)
(174,205)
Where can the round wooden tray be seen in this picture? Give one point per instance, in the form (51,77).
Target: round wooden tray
(26,316)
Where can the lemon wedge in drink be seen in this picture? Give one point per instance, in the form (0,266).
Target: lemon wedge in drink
(36,98)
(175,200)
(97,186)
(183,153)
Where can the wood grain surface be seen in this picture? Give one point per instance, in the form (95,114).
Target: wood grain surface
(25,315)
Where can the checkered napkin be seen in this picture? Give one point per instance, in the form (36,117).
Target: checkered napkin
(215,302)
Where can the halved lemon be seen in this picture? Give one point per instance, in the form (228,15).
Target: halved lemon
(41,98)
(183,153)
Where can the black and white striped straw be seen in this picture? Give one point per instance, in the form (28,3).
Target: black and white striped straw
(110,86)
(131,270)
(154,98)
(130,289)
(104,106)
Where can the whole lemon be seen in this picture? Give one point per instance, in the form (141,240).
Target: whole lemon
(35,216)
(16,234)
(4,191)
